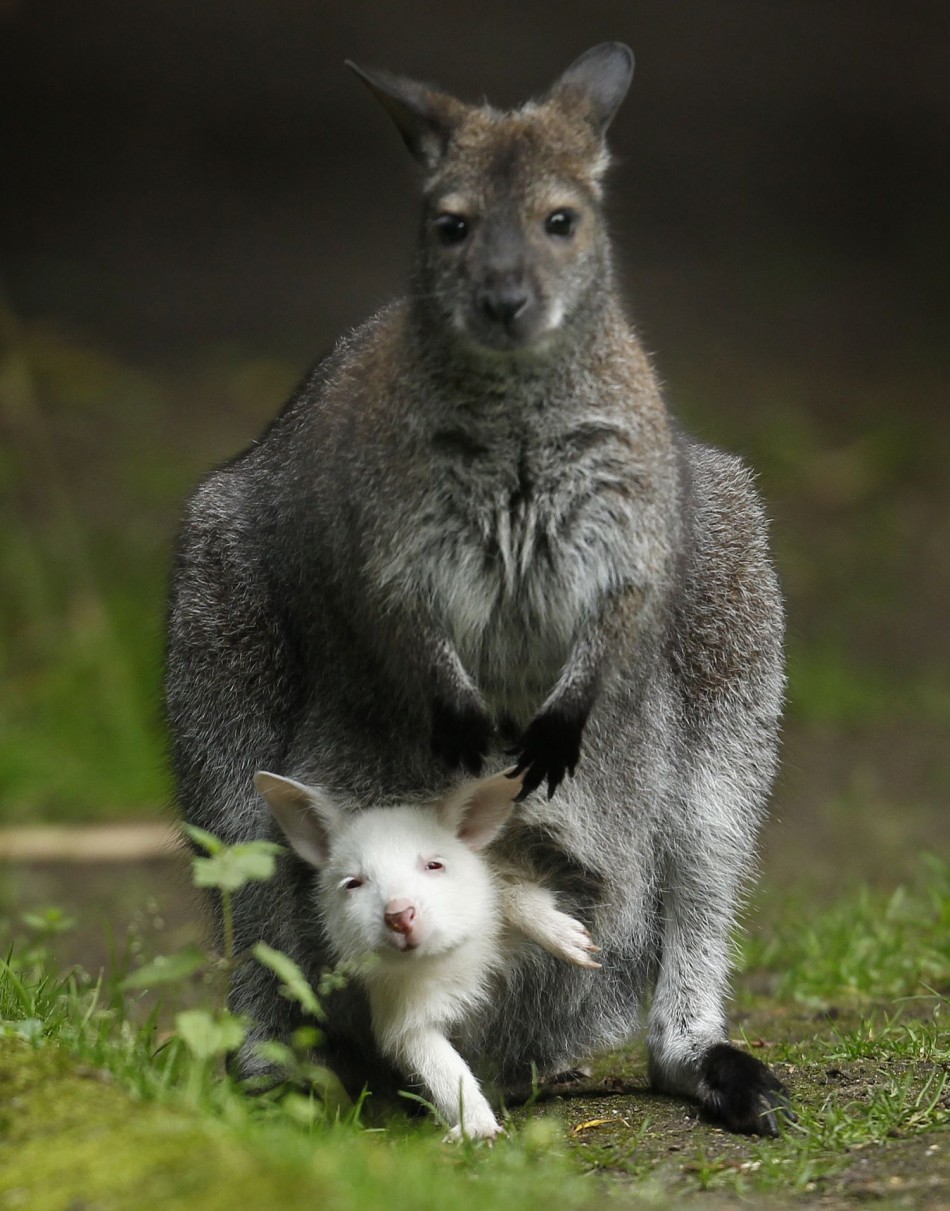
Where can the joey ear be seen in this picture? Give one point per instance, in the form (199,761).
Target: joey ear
(307,816)
(597,82)
(478,811)
(423,116)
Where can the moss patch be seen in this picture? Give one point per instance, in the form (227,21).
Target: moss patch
(70,1138)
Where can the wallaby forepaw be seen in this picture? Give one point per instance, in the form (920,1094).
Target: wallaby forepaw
(742,1093)
(461,733)
(549,749)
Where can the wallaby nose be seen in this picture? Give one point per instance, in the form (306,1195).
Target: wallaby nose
(399,916)
(504,304)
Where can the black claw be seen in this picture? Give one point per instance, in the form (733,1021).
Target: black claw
(549,749)
(743,1094)
(461,735)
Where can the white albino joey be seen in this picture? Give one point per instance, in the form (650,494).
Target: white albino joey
(409,885)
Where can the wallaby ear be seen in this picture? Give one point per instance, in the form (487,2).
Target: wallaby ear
(478,811)
(307,817)
(596,83)
(425,117)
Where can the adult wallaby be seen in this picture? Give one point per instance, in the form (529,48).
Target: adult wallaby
(410,887)
(475,528)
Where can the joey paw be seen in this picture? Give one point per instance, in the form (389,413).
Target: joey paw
(482,1130)
(742,1093)
(549,749)
(461,733)
(570,941)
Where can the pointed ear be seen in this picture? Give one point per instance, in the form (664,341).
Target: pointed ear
(478,811)
(425,117)
(307,817)
(596,83)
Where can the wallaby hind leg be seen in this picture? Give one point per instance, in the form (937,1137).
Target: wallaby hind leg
(688,1041)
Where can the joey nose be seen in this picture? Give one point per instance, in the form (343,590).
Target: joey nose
(504,304)
(399,916)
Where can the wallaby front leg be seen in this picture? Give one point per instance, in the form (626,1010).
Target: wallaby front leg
(448,1082)
(462,727)
(551,744)
(533,911)
(461,724)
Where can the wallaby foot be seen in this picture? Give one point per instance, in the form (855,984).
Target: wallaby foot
(740,1092)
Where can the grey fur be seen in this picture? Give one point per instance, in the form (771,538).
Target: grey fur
(481,526)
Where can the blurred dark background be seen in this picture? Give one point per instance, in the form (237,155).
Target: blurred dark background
(197,199)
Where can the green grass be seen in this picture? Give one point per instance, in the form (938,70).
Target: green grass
(869,946)
(847,1003)
(98,457)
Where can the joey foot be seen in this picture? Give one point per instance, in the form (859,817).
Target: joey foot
(482,1129)
(742,1094)
(461,733)
(549,749)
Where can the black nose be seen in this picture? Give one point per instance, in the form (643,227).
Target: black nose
(504,305)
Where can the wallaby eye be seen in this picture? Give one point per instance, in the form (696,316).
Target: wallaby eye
(452,228)
(351,883)
(435,865)
(561,222)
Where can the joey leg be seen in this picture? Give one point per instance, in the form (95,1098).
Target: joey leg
(532,910)
(448,1082)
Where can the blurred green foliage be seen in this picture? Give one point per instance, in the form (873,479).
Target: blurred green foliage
(98,457)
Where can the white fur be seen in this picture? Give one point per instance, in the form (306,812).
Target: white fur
(431,978)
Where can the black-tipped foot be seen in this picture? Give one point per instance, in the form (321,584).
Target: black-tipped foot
(742,1094)
(461,735)
(549,749)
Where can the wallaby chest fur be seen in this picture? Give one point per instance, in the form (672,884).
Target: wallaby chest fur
(486,492)
(476,529)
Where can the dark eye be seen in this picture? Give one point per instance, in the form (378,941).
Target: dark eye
(561,222)
(351,884)
(452,228)
(435,865)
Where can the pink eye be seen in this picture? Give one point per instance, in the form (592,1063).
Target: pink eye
(435,865)
(351,884)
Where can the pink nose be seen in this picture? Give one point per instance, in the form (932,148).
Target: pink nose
(399,916)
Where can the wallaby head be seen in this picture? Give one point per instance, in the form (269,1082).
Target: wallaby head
(399,881)
(513,244)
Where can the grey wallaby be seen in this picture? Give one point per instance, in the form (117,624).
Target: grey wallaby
(473,531)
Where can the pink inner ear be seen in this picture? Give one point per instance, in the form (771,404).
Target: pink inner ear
(483,808)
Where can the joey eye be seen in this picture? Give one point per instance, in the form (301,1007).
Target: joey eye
(435,865)
(452,228)
(561,222)
(351,883)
